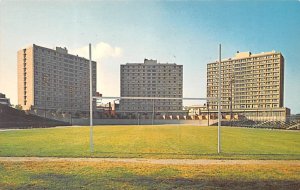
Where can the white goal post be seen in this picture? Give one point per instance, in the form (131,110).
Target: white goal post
(153,98)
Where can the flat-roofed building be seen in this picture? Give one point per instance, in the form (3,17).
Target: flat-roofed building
(195,110)
(151,79)
(252,85)
(4,100)
(51,79)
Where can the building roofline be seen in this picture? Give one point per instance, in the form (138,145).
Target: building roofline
(150,64)
(250,56)
(34,45)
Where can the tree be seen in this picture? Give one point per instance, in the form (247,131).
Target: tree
(18,107)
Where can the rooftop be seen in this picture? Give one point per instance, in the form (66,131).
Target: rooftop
(149,62)
(247,54)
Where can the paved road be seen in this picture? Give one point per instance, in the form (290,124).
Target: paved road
(152,161)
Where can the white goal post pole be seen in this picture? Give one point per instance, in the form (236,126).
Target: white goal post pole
(219,103)
(91,100)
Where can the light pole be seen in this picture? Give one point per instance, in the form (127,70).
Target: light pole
(70,102)
(138,117)
(207,103)
(152,112)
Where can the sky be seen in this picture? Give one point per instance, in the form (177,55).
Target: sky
(185,32)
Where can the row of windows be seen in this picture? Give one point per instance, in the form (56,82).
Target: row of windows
(51,101)
(151,94)
(245,79)
(151,104)
(244,106)
(245,66)
(150,74)
(143,101)
(52,53)
(62,84)
(61,92)
(239,75)
(137,108)
(147,87)
(247,83)
(64,105)
(151,70)
(158,66)
(152,81)
(261,103)
(62,65)
(247,90)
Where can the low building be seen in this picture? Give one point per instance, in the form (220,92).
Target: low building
(4,100)
(195,111)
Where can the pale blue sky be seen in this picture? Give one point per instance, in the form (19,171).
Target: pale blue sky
(190,31)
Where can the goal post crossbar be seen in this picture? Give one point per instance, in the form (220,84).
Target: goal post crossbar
(218,99)
(151,98)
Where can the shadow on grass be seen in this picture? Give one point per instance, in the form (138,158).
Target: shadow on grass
(127,180)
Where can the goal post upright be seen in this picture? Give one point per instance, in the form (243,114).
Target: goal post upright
(91,99)
(219,103)
(154,98)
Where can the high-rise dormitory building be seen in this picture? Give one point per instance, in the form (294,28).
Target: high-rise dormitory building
(252,85)
(54,80)
(151,79)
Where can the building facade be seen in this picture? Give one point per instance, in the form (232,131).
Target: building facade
(195,110)
(54,80)
(151,79)
(4,100)
(251,85)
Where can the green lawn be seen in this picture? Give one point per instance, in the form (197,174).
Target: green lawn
(152,142)
(116,175)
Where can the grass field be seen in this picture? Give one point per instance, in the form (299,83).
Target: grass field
(110,175)
(152,142)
